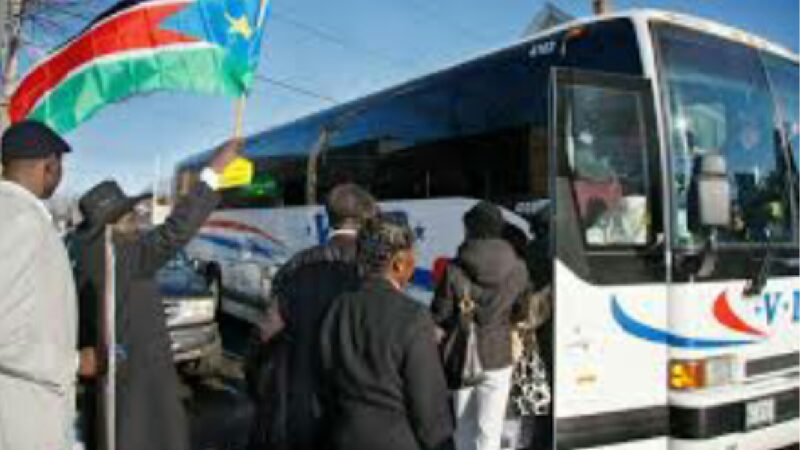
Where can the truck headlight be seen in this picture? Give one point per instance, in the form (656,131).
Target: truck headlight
(191,312)
(701,373)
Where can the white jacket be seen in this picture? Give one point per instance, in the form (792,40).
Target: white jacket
(38,327)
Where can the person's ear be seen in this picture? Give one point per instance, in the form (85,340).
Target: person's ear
(396,264)
(404,264)
(52,168)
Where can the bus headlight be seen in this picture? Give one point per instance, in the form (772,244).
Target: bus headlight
(701,373)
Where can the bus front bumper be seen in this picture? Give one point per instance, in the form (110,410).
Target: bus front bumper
(757,416)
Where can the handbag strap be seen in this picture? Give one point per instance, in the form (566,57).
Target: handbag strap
(466,304)
(463,290)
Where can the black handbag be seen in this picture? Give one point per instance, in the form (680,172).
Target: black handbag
(460,357)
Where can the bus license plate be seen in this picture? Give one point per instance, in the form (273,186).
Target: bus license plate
(760,413)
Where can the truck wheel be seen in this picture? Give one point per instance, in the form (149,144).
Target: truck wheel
(215,286)
(209,365)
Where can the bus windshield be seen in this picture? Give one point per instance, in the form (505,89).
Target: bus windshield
(719,100)
(784,75)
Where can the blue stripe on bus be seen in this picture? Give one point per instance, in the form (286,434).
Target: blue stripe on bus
(648,333)
(233,244)
(423,278)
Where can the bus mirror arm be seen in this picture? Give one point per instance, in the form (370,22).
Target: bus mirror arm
(708,256)
(701,262)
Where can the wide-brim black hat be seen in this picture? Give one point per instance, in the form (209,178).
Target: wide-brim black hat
(105,204)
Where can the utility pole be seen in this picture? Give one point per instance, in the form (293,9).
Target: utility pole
(12,34)
(601,6)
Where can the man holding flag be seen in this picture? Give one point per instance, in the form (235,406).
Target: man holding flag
(149,413)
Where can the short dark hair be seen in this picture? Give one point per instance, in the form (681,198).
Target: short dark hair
(484,221)
(515,236)
(350,205)
(380,239)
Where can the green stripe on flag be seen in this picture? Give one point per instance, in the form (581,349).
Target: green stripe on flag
(203,70)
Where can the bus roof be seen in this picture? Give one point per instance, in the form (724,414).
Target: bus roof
(315,120)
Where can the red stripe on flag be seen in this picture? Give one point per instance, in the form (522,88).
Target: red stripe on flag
(134,30)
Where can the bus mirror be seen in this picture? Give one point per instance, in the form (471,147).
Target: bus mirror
(713,192)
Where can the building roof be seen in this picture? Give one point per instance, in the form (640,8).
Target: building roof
(549,16)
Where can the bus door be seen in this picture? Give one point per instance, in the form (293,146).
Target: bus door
(610,290)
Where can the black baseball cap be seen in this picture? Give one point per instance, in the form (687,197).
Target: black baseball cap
(31,139)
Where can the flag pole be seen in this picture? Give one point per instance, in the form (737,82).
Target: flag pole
(108,398)
(240,104)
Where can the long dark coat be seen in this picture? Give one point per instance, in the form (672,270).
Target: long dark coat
(289,412)
(385,387)
(149,413)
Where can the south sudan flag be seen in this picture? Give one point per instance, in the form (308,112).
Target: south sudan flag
(204,46)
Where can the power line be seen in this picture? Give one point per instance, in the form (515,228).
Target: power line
(419,8)
(296,89)
(327,36)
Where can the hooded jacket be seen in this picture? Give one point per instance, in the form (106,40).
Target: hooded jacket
(490,272)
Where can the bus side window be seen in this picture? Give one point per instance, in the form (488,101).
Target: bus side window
(607,154)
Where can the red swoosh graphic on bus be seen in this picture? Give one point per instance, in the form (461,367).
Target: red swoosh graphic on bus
(239,226)
(726,316)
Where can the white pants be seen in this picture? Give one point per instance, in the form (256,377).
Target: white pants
(481,411)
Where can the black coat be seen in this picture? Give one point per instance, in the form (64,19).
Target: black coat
(289,412)
(385,384)
(496,279)
(149,413)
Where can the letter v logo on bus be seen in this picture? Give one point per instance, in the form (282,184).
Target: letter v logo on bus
(727,317)
(647,332)
(724,314)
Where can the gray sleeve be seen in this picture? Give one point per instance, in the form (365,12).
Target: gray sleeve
(21,237)
(156,247)
(443,304)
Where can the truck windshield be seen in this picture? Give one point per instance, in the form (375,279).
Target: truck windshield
(719,100)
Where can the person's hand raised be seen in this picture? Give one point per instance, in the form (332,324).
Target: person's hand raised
(226,154)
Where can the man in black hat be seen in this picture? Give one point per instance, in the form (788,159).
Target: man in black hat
(38,314)
(149,412)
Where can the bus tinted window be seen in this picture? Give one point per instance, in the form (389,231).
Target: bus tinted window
(606,47)
(724,105)
(479,131)
(278,181)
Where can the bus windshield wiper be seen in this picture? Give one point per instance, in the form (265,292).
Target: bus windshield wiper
(759,279)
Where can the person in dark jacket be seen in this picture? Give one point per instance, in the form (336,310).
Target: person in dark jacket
(149,413)
(385,384)
(289,412)
(488,270)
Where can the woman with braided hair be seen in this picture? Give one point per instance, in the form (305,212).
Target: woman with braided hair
(385,384)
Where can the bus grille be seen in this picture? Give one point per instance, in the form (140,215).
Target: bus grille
(777,363)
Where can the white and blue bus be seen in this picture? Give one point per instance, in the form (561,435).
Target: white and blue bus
(663,150)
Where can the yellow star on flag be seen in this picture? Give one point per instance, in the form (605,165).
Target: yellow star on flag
(239,26)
